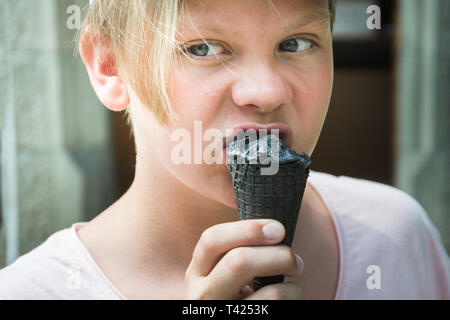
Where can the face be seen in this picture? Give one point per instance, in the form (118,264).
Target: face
(258,66)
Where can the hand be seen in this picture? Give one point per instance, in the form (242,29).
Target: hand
(229,255)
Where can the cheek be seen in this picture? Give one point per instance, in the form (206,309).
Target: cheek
(317,90)
(196,96)
(313,97)
(192,103)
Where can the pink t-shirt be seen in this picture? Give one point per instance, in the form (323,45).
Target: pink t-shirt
(389,249)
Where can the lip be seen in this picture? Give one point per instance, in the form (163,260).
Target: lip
(285,132)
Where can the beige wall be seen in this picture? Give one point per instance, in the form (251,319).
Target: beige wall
(58,133)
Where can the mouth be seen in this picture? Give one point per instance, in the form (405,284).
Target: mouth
(284,132)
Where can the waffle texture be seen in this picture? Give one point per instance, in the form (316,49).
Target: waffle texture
(277,196)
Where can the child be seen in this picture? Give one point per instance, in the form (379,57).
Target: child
(175,234)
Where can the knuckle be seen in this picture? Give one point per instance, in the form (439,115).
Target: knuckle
(288,256)
(237,260)
(208,239)
(187,275)
(196,295)
(254,231)
(197,291)
(201,294)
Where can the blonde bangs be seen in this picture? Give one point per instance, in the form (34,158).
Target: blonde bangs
(141,35)
(142,38)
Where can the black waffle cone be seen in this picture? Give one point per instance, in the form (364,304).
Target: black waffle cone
(277,197)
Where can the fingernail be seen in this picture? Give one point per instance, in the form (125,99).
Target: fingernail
(272,231)
(300,263)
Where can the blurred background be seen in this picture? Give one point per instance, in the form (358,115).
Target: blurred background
(65,157)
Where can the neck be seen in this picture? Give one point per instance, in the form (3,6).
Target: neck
(161,217)
(156,232)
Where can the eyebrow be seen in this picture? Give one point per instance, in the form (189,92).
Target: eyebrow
(320,17)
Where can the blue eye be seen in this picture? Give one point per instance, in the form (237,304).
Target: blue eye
(203,49)
(216,49)
(296,45)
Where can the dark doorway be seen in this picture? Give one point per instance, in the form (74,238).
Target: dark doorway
(357,137)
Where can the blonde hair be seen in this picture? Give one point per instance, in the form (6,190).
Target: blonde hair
(125,25)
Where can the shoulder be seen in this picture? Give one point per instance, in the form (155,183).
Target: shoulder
(56,269)
(34,274)
(59,268)
(363,201)
(383,226)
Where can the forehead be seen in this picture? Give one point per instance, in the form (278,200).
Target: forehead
(236,16)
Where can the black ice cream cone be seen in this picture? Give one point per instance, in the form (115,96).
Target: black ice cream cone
(260,195)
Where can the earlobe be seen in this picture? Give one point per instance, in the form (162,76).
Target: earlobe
(100,65)
(114,94)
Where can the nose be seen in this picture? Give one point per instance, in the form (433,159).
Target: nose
(261,88)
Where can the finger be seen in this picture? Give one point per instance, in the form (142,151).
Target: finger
(278,291)
(241,265)
(245,292)
(216,241)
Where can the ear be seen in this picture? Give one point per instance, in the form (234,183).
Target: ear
(101,67)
